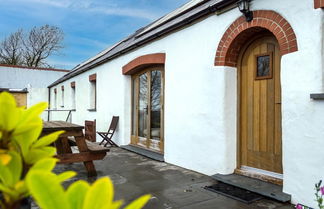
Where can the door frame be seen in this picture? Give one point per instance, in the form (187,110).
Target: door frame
(238,170)
(134,93)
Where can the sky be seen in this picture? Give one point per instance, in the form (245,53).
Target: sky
(89,26)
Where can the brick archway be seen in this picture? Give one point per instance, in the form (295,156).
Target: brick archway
(241,31)
(138,63)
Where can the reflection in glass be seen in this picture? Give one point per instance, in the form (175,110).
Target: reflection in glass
(155,104)
(134,89)
(142,112)
(263,66)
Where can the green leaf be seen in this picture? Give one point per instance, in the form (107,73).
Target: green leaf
(26,138)
(47,140)
(30,116)
(9,113)
(46,164)
(7,190)
(138,203)
(37,154)
(116,204)
(46,190)
(5,175)
(15,166)
(65,176)
(76,194)
(100,195)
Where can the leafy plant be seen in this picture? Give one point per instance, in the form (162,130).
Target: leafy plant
(20,148)
(319,194)
(27,161)
(48,192)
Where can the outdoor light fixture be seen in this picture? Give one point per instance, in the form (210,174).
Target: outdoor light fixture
(244,7)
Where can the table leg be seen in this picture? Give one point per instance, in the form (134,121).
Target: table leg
(80,141)
(66,145)
(59,146)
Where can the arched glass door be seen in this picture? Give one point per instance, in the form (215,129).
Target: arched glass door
(147,109)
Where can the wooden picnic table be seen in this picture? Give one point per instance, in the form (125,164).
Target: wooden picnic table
(88,151)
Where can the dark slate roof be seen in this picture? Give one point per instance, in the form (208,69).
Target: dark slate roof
(199,10)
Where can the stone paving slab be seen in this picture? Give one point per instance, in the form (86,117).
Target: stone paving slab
(171,187)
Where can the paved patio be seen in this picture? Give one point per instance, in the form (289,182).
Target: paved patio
(172,187)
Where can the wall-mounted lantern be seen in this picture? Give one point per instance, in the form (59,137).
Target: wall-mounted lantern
(244,7)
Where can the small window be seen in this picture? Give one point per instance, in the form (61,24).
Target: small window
(73,105)
(55,99)
(263,66)
(93,92)
(62,96)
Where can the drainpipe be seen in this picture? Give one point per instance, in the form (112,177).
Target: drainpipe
(49,103)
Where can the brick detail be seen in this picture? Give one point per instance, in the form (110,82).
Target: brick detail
(55,91)
(73,84)
(93,77)
(142,61)
(318,4)
(240,31)
(62,88)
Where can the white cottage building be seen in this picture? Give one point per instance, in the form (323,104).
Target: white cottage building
(28,84)
(216,92)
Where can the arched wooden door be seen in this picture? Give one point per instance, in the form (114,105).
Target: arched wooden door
(260,107)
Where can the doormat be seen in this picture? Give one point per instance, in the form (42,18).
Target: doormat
(234,192)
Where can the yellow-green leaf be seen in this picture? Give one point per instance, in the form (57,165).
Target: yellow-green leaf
(21,188)
(15,166)
(76,194)
(138,203)
(48,139)
(46,190)
(5,175)
(31,115)
(26,138)
(65,176)
(46,164)
(9,113)
(5,158)
(116,204)
(37,154)
(100,195)
(5,189)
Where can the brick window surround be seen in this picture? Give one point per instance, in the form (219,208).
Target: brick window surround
(93,77)
(136,64)
(240,31)
(318,4)
(72,84)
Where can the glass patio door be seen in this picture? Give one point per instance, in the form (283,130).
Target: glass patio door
(147,109)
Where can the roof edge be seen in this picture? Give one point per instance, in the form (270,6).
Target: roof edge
(34,68)
(206,10)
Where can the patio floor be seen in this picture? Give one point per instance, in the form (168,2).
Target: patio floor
(171,186)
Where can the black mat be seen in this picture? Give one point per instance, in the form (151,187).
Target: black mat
(234,192)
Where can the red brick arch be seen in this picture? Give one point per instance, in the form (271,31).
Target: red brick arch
(241,31)
(142,61)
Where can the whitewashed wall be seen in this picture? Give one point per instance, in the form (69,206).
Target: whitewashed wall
(35,81)
(201,100)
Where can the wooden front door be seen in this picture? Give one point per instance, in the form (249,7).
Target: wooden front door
(260,106)
(147,109)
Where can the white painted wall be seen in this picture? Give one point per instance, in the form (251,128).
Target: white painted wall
(201,100)
(35,81)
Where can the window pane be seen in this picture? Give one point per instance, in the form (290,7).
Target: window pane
(155,104)
(143,106)
(263,66)
(134,90)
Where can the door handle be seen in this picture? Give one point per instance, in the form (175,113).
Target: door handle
(146,109)
(278,103)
